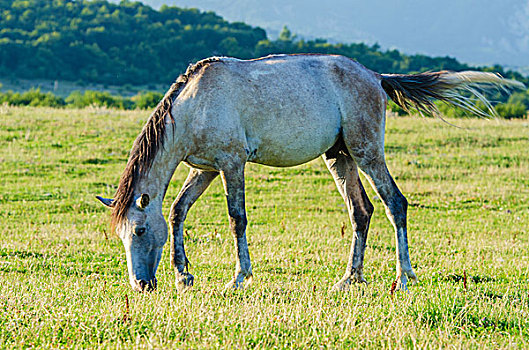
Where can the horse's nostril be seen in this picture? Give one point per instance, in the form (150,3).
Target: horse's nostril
(139,230)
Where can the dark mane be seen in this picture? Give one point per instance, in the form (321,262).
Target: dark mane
(148,143)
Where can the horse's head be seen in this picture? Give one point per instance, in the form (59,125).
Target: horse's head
(143,232)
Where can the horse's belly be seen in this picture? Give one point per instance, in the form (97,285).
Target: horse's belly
(285,143)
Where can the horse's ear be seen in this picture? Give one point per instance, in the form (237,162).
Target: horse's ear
(143,201)
(108,202)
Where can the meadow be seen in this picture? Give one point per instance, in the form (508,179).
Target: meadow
(63,273)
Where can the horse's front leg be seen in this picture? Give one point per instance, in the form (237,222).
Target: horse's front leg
(196,183)
(233,179)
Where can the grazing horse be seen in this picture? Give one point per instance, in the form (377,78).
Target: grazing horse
(280,110)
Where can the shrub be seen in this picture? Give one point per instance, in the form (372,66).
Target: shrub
(511,110)
(450,111)
(147,100)
(33,97)
(392,106)
(99,99)
(457,112)
(521,98)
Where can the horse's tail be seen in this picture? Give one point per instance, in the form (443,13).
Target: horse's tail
(462,89)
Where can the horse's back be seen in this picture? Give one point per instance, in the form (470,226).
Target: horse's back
(288,109)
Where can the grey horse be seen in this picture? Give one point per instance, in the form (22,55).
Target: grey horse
(280,110)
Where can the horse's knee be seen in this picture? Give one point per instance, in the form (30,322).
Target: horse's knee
(238,221)
(362,217)
(177,215)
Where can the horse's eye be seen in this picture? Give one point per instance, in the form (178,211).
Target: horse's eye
(139,230)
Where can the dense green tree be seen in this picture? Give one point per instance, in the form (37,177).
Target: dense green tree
(98,41)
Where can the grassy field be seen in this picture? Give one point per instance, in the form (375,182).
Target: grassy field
(63,274)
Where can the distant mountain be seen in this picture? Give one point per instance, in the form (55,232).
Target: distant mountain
(474,31)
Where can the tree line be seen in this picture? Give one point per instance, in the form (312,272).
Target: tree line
(514,108)
(98,41)
(131,43)
(89,98)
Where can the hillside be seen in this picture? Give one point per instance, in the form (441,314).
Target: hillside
(481,32)
(98,41)
(131,44)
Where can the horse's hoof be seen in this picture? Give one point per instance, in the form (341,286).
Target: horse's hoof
(412,277)
(358,277)
(403,277)
(231,286)
(184,282)
(343,286)
(345,283)
(239,283)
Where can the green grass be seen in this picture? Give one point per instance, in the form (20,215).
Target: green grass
(63,275)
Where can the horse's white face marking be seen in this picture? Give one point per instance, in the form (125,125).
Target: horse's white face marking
(143,234)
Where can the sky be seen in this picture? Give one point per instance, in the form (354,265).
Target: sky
(479,32)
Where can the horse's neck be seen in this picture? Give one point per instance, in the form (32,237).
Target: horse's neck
(156,181)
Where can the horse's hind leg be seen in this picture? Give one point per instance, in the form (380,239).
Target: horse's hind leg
(370,160)
(233,180)
(345,174)
(196,183)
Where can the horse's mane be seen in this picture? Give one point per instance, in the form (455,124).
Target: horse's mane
(148,143)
